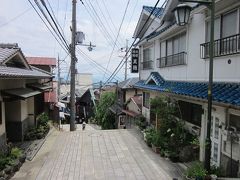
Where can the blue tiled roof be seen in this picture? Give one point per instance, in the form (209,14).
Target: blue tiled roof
(228,93)
(156,77)
(157,12)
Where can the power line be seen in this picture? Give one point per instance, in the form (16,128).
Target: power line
(99,66)
(14,18)
(45,16)
(122,61)
(63,47)
(54,22)
(55,18)
(110,27)
(131,18)
(102,24)
(124,14)
(97,24)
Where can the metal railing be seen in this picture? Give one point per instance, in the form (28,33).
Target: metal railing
(147,65)
(222,47)
(172,60)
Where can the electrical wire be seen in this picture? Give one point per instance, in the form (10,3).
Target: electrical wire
(16,17)
(122,61)
(45,16)
(119,29)
(109,27)
(63,47)
(130,19)
(54,22)
(101,23)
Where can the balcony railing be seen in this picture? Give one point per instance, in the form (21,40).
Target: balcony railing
(222,47)
(172,60)
(147,65)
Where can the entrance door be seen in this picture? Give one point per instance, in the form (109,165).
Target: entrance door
(215,140)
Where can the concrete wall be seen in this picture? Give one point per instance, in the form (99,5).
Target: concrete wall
(11,83)
(133,107)
(129,93)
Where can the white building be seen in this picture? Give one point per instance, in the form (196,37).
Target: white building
(175,60)
(83,82)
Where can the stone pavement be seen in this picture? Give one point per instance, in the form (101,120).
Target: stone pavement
(98,154)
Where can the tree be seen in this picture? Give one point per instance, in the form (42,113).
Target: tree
(104,117)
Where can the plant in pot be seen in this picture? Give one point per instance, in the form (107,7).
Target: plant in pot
(196,171)
(156,142)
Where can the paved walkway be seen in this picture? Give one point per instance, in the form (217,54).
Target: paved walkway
(98,154)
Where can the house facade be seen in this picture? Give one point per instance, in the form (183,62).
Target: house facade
(174,61)
(21,93)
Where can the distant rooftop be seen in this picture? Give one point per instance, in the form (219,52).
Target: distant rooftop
(128,83)
(42,61)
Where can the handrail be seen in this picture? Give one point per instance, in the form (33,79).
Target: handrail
(172,60)
(222,47)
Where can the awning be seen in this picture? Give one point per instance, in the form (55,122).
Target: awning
(21,93)
(40,87)
(131,113)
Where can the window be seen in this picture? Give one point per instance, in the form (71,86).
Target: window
(226,35)
(148,54)
(224,26)
(172,51)
(176,44)
(190,112)
(229,24)
(234,121)
(147,58)
(146,99)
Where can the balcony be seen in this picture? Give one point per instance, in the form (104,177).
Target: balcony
(222,47)
(172,60)
(146,65)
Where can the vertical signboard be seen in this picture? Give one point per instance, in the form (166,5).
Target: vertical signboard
(135,60)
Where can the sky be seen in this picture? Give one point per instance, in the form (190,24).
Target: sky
(19,23)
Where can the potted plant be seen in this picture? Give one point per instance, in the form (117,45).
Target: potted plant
(196,171)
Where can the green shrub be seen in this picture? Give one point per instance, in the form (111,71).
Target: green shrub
(141,122)
(196,170)
(149,135)
(156,139)
(15,153)
(42,119)
(103,116)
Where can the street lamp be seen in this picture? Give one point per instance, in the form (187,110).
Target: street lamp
(182,13)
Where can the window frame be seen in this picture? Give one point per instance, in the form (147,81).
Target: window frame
(146,100)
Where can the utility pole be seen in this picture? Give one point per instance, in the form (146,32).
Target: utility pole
(126,60)
(59,79)
(73,70)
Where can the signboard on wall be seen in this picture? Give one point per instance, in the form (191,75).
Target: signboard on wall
(135,60)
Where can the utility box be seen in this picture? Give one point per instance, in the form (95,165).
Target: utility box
(80,37)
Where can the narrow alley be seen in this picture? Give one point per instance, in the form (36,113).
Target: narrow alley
(97,154)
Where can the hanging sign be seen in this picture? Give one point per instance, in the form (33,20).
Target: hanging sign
(135,60)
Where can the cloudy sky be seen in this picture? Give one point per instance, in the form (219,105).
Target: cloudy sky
(19,23)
